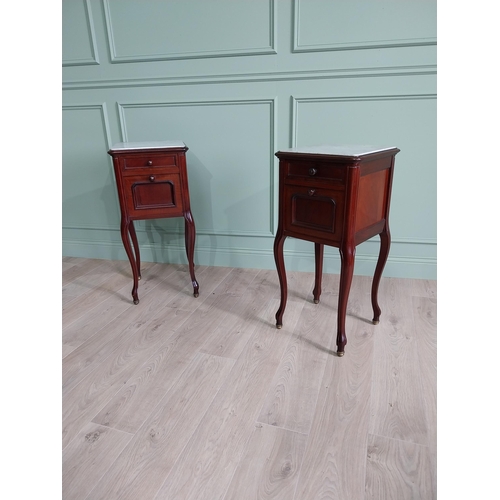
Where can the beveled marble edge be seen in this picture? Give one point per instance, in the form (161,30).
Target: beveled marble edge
(344,150)
(147,145)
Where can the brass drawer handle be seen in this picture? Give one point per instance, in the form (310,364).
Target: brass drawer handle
(150,162)
(312,171)
(311,191)
(152,178)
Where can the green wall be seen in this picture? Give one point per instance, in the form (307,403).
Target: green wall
(237,80)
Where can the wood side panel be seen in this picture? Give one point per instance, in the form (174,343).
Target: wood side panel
(371,199)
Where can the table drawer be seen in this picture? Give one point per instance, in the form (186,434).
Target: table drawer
(314,212)
(137,163)
(153,195)
(314,171)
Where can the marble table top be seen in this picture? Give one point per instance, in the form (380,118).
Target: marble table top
(344,150)
(147,145)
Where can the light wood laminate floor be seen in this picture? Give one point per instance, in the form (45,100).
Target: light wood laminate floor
(187,398)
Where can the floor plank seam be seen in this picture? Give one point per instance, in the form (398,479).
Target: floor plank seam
(258,423)
(398,440)
(114,429)
(92,418)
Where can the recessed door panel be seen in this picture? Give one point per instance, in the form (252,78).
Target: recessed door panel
(152,196)
(314,212)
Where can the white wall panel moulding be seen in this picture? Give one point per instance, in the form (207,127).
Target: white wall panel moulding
(177,30)
(83,49)
(274,76)
(321,26)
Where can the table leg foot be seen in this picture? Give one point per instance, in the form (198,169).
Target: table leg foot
(340,353)
(278,326)
(316,301)
(375,321)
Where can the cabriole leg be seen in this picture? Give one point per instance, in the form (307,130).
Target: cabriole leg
(280,266)
(346,271)
(133,236)
(318,259)
(385,244)
(124,230)
(190,236)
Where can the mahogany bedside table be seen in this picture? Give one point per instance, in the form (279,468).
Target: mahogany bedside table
(337,196)
(152,183)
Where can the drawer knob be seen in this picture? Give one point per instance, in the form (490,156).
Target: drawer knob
(152,178)
(312,171)
(150,162)
(311,191)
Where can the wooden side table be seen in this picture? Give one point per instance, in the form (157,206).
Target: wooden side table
(337,196)
(152,183)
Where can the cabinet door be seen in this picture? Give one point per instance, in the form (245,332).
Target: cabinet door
(314,212)
(150,196)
